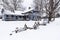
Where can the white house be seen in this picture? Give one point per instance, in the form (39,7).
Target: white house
(17,16)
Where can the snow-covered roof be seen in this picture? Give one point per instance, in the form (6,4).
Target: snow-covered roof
(0,12)
(11,13)
(16,12)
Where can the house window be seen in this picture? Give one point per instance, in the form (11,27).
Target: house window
(16,17)
(7,15)
(19,16)
(12,15)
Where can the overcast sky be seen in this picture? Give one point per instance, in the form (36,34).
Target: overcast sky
(28,3)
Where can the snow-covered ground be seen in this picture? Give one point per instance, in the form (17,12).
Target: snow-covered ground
(49,32)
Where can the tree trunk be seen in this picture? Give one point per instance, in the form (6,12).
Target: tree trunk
(50,16)
(51,10)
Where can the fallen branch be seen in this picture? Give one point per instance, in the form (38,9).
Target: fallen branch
(35,27)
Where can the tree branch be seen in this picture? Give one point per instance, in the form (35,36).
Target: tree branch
(56,5)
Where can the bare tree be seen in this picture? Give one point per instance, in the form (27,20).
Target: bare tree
(52,8)
(12,4)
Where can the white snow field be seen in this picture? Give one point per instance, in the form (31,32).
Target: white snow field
(49,32)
